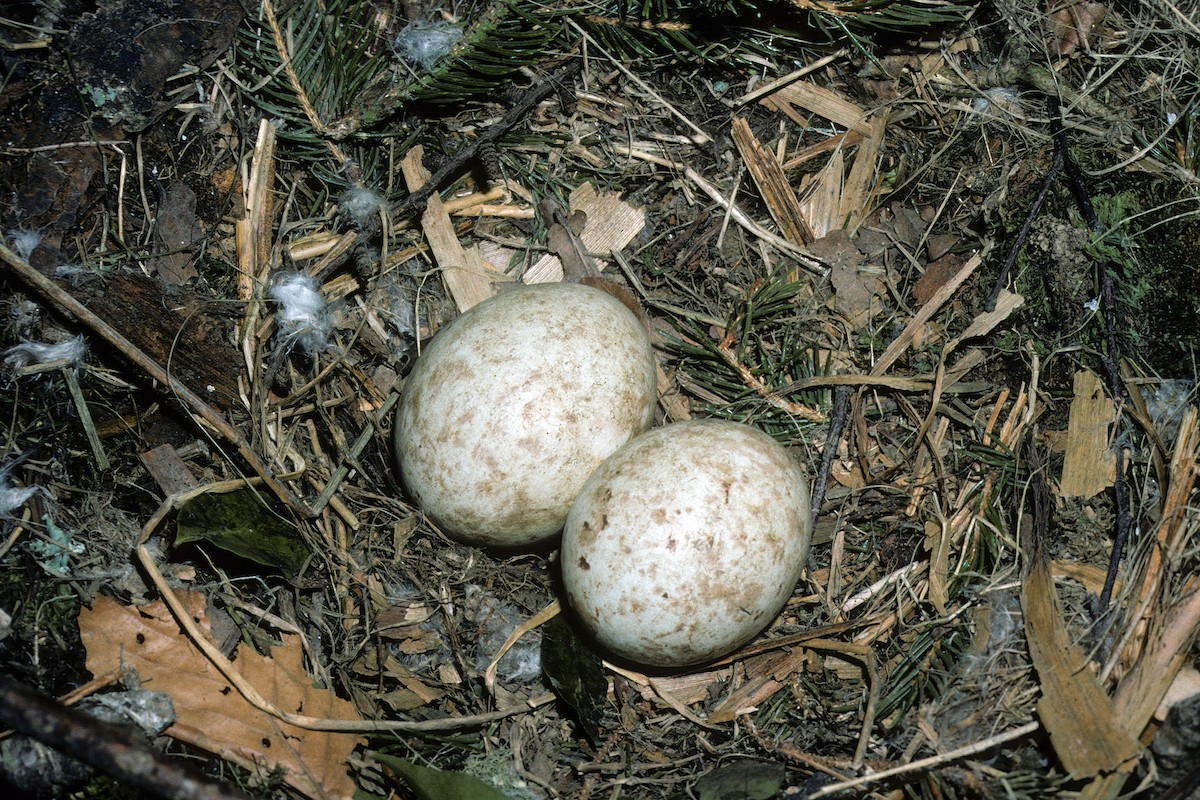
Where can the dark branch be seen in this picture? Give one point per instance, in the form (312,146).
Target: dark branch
(112,749)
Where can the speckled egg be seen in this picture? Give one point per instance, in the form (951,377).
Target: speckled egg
(687,542)
(511,407)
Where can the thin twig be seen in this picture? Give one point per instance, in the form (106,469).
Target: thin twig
(1023,234)
(928,763)
(763,390)
(528,101)
(1111,358)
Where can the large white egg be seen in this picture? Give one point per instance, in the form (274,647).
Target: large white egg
(511,407)
(687,542)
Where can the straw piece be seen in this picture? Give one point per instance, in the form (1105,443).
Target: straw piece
(772,184)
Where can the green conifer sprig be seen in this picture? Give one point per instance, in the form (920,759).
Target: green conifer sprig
(311,61)
(889,16)
(305,65)
(756,362)
(497,40)
(320,66)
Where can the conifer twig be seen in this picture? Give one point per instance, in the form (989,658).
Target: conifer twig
(306,105)
(553,83)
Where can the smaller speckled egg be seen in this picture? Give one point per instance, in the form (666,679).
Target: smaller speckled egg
(510,408)
(687,542)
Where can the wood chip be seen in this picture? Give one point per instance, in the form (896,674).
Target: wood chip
(611,224)
(467,277)
(1090,465)
(772,184)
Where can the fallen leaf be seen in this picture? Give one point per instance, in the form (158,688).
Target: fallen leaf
(210,713)
(936,275)
(1074,24)
(427,783)
(853,288)
(1084,728)
(563,239)
(576,674)
(747,779)
(247,524)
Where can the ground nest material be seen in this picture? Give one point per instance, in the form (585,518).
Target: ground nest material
(944,254)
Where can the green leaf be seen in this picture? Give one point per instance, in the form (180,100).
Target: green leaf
(243,522)
(427,783)
(742,780)
(576,673)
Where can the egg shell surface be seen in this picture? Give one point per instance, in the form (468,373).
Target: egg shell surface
(511,407)
(687,542)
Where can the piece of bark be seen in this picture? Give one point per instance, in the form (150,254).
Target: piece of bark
(176,329)
(1089,465)
(177,231)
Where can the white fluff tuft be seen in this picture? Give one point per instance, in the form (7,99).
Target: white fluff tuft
(23,243)
(304,318)
(495,620)
(1001,101)
(360,205)
(29,352)
(425,43)
(13,497)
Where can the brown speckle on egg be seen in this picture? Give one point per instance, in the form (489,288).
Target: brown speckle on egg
(686,587)
(510,408)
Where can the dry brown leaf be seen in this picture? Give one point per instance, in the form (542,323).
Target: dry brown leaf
(936,275)
(858,192)
(210,713)
(822,196)
(937,543)
(853,289)
(820,100)
(1084,729)
(1075,24)
(177,232)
